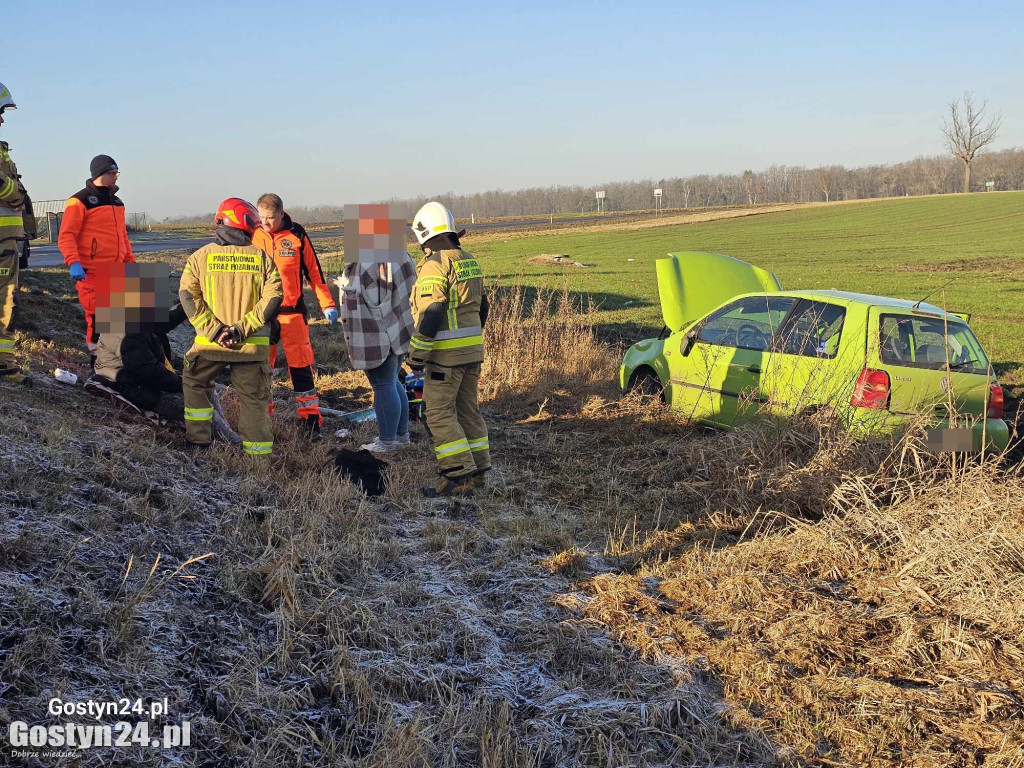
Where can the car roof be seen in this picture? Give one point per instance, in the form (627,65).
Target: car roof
(848,297)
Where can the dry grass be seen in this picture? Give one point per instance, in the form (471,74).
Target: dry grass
(855,604)
(629,591)
(542,345)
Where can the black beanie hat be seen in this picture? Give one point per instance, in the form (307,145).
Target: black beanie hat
(101,164)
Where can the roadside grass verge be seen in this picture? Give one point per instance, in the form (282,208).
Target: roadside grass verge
(629,590)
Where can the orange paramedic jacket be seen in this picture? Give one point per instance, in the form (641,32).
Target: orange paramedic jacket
(92,230)
(295,258)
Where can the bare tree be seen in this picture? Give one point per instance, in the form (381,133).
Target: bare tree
(748,186)
(965,132)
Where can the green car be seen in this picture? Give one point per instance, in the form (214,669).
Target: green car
(735,345)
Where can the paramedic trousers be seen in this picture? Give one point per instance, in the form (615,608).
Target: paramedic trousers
(299,354)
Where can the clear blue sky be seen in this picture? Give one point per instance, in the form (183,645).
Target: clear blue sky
(337,103)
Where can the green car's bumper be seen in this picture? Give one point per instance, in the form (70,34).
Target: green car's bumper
(993,433)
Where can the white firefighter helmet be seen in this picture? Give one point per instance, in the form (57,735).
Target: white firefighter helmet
(6,102)
(430,220)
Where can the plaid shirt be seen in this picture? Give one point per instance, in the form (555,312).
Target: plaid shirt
(375,312)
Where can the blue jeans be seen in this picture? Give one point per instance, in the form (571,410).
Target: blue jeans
(390,400)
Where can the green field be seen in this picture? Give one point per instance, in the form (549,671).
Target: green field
(905,248)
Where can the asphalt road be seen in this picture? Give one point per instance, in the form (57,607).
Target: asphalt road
(49,255)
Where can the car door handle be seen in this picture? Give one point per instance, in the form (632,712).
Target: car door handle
(754,368)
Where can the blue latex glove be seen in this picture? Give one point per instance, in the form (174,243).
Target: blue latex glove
(77,271)
(331,315)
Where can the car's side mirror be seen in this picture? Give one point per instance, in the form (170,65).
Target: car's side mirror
(687,344)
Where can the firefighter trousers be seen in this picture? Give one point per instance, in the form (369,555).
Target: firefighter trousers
(299,354)
(251,381)
(8,302)
(453,417)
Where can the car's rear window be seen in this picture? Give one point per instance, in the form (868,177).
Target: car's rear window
(914,341)
(813,329)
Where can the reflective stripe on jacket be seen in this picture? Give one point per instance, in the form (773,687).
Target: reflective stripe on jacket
(11,224)
(455,279)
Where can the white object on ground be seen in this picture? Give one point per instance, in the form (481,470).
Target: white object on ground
(341,432)
(66,377)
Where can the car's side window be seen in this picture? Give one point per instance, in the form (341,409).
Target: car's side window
(813,330)
(750,323)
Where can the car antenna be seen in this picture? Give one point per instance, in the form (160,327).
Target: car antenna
(929,295)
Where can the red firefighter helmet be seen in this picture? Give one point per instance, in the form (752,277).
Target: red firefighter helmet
(237,213)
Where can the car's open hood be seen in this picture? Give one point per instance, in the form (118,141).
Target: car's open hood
(691,284)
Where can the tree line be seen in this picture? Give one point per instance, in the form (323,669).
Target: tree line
(776,184)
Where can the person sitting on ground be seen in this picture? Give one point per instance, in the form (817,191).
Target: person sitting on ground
(133,354)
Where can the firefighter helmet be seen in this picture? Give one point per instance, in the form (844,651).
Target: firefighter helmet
(238,214)
(430,220)
(6,102)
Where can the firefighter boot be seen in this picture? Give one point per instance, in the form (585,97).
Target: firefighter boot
(12,374)
(450,486)
(480,478)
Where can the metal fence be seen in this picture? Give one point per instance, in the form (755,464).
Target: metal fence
(48,215)
(43,207)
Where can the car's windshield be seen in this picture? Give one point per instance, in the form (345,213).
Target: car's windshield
(913,341)
(750,323)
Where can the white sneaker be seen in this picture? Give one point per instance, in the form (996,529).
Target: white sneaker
(381,446)
(404,439)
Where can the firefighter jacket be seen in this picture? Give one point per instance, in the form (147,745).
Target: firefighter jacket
(446,308)
(231,287)
(11,223)
(295,259)
(93,229)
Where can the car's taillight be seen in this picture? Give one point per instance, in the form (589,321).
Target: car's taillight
(995,401)
(872,390)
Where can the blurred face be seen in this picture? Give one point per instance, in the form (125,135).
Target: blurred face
(271,219)
(132,298)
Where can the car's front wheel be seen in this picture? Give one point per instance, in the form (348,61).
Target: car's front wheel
(646,382)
